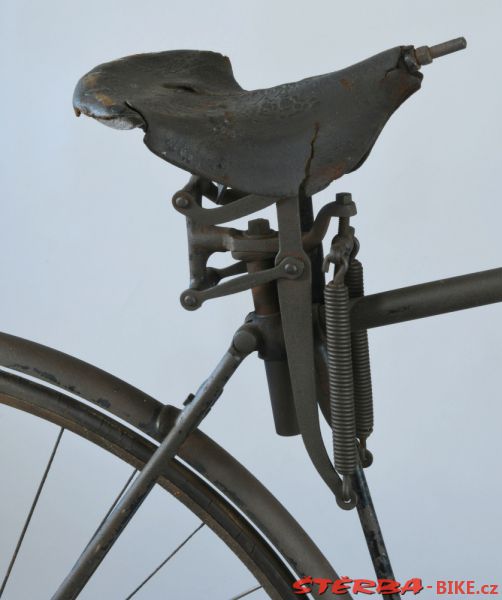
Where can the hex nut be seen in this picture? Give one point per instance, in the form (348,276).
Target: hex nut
(258,227)
(344,198)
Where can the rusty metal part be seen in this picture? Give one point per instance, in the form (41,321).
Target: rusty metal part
(258,244)
(281,141)
(184,203)
(187,201)
(424,55)
(289,268)
(339,208)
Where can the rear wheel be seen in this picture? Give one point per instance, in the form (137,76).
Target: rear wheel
(186,483)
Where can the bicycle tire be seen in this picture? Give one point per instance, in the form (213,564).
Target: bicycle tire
(185,484)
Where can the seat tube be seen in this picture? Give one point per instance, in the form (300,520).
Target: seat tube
(266,308)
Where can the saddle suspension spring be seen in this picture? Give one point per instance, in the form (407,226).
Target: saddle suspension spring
(343,419)
(363,392)
(351,397)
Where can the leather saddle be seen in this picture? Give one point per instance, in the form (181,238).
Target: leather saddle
(281,141)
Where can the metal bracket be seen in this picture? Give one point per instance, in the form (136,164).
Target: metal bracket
(185,202)
(288,268)
(259,242)
(295,299)
(344,246)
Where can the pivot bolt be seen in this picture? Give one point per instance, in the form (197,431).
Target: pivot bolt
(291,268)
(189,301)
(181,201)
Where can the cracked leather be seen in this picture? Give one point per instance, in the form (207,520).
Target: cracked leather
(296,137)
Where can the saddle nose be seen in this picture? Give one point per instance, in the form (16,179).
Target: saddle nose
(94,98)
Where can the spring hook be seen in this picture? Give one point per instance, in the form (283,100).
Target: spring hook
(344,248)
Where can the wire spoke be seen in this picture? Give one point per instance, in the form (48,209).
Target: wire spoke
(32,510)
(115,502)
(165,561)
(247,593)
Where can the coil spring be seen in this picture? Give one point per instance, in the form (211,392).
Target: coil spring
(343,421)
(363,394)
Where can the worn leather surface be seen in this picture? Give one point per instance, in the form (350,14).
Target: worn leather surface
(274,142)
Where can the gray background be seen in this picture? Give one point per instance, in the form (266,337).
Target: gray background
(94,257)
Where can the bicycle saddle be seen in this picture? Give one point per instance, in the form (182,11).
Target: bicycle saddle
(296,137)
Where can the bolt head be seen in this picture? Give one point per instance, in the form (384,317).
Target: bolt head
(291,268)
(181,202)
(189,300)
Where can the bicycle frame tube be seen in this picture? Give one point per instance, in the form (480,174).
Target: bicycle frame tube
(427,299)
(195,409)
